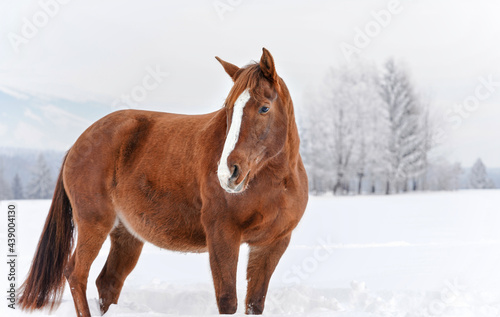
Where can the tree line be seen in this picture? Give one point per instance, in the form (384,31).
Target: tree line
(40,186)
(365,129)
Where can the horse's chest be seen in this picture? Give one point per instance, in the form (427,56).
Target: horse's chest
(269,222)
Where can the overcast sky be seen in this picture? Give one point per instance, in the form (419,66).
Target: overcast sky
(60,76)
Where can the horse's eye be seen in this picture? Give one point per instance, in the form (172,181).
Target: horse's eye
(263,109)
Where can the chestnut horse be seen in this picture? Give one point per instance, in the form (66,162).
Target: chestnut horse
(190,183)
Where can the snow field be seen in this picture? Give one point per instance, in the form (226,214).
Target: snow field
(424,254)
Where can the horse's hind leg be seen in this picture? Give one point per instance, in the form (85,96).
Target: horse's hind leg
(122,258)
(94,224)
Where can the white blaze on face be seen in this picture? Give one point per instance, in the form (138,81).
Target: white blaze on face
(223,172)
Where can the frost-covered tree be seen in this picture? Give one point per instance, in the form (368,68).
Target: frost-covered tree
(442,175)
(5,192)
(343,131)
(17,188)
(343,116)
(41,185)
(407,138)
(371,127)
(418,180)
(363,131)
(374,158)
(478,177)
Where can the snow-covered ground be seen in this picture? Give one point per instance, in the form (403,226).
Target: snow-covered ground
(432,254)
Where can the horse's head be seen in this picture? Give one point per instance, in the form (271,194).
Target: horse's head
(257,121)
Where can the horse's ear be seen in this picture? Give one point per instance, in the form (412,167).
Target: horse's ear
(267,66)
(230,69)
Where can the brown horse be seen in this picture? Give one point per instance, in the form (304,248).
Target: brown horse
(184,183)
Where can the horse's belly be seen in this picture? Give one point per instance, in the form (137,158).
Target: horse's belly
(177,230)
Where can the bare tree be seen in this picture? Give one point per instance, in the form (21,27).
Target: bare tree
(5,192)
(365,132)
(17,188)
(478,177)
(442,175)
(406,142)
(41,185)
(344,103)
(343,130)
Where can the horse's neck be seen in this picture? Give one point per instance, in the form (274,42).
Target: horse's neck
(293,141)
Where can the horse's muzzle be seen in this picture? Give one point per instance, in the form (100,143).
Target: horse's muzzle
(233,184)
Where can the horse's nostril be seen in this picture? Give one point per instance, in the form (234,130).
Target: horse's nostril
(236,172)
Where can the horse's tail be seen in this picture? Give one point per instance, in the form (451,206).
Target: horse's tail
(45,283)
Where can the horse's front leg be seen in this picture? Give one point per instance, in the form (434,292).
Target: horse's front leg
(223,242)
(261,264)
